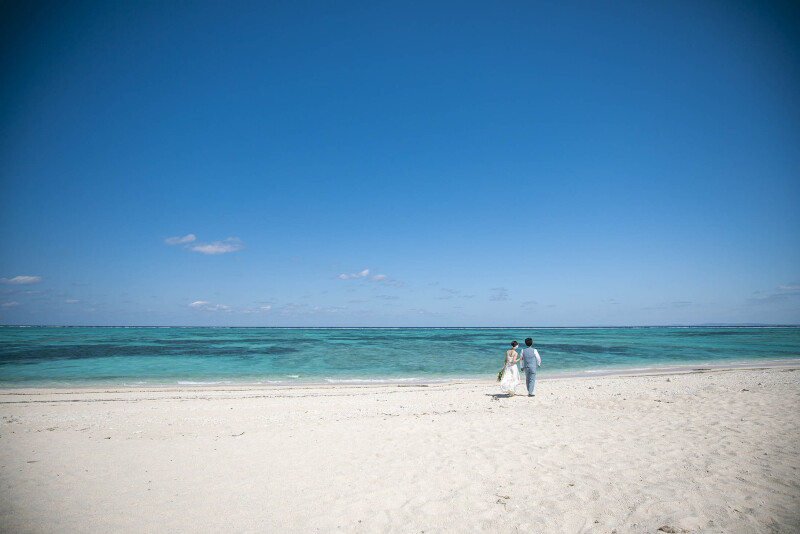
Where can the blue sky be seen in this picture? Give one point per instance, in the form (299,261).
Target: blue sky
(399,163)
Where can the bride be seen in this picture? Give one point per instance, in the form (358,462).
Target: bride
(510,380)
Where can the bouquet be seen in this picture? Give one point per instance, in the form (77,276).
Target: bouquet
(500,374)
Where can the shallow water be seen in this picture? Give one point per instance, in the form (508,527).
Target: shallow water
(65,356)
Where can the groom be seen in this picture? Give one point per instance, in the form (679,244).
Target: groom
(529,356)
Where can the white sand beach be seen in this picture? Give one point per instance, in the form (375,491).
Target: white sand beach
(713,451)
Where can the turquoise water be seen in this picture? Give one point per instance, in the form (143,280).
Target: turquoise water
(52,356)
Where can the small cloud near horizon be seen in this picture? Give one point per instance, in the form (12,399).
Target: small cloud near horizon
(21,280)
(207,306)
(257,309)
(290,308)
(499,294)
(785,293)
(9,304)
(331,309)
(775,298)
(670,305)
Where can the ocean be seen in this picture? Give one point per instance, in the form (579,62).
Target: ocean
(137,356)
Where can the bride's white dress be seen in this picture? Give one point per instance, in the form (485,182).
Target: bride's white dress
(510,379)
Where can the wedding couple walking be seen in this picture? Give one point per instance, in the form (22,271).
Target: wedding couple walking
(510,374)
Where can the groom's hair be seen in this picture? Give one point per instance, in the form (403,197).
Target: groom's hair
(528,342)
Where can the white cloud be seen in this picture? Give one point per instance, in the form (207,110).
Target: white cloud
(21,280)
(204,305)
(394,283)
(232,244)
(9,304)
(362,274)
(332,309)
(291,308)
(257,309)
(499,294)
(787,293)
(207,306)
(72,301)
(180,240)
(373,278)
(776,298)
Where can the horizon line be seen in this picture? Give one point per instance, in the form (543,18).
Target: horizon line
(672,325)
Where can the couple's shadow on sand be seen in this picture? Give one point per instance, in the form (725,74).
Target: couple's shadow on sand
(498,396)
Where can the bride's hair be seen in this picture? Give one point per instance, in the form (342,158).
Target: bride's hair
(514,343)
